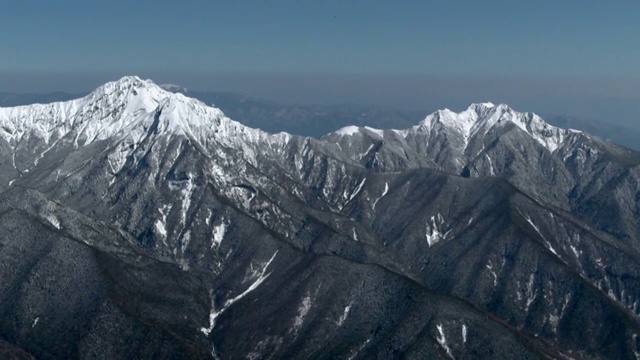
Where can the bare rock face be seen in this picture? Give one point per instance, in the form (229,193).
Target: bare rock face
(138,223)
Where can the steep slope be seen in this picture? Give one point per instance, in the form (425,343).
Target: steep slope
(217,239)
(565,168)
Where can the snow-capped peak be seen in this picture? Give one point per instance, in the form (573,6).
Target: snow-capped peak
(347,130)
(476,121)
(352,130)
(479,118)
(125,106)
(128,110)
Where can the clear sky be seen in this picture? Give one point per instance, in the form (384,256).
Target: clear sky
(546,56)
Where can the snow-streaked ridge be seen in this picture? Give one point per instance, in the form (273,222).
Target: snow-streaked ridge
(476,121)
(130,108)
(479,118)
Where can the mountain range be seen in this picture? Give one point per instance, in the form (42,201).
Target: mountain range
(319,120)
(140,223)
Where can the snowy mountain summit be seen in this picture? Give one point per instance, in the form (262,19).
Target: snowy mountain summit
(127,110)
(476,121)
(120,107)
(479,119)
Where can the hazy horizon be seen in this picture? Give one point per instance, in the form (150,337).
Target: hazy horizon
(578,58)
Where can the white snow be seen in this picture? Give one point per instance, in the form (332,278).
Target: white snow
(442,340)
(376,132)
(124,111)
(213,315)
(539,233)
(53,221)
(464,333)
(575,251)
(303,310)
(218,233)
(433,232)
(362,155)
(345,314)
(531,294)
(491,172)
(35,321)
(386,190)
(493,273)
(355,192)
(160,224)
(185,239)
(160,228)
(355,352)
(185,187)
(347,130)
(479,118)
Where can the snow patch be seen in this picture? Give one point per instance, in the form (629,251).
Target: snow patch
(464,333)
(214,314)
(159,225)
(493,273)
(347,130)
(218,233)
(531,292)
(539,233)
(303,310)
(442,340)
(53,221)
(433,232)
(366,152)
(186,238)
(354,193)
(377,132)
(386,190)
(345,314)
(357,190)
(355,352)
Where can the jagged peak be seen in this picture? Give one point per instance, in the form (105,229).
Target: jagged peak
(128,85)
(478,118)
(347,130)
(126,82)
(352,130)
(124,107)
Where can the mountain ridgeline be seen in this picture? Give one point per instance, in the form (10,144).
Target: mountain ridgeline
(140,223)
(318,120)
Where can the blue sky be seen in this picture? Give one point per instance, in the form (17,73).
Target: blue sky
(403,53)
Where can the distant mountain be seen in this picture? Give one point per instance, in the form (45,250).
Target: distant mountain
(318,120)
(621,135)
(139,223)
(306,120)
(15,99)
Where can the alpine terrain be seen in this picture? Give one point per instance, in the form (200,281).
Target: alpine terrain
(140,223)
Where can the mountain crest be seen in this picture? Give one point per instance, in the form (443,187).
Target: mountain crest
(478,119)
